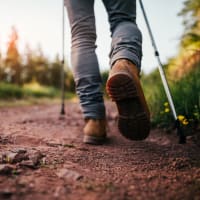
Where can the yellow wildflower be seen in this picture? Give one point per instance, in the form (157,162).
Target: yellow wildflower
(166,104)
(181,118)
(167,110)
(185,122)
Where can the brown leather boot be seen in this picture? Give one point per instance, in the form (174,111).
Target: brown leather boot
(94,131)
(123,87)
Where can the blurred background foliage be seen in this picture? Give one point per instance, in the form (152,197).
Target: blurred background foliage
(34,75)
(183,75)
(31,74)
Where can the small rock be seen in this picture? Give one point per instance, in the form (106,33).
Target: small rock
(27,121)
(12,157)
(53,144)
(35,157)
(181,163)
(69,174)
(19,150)
(6,193)
(6,169)
(28,163)
(5,139)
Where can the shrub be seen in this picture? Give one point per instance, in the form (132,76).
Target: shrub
(186,97)
(10,91)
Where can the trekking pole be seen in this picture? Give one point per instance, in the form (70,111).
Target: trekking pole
(62,112)
(182,137)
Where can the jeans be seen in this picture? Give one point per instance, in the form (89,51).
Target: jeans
(126,43)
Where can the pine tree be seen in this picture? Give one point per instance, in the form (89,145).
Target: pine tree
(13,59)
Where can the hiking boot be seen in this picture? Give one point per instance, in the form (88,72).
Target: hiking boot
(123,86)
(94,131)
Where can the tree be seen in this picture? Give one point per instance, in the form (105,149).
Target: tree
(55,72)
(191,21)
(36,66)
(13,59)
(28,68)
(41,67)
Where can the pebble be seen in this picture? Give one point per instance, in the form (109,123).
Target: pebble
(6,169)
(68,174)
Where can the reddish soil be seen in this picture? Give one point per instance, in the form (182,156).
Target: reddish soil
(42,157)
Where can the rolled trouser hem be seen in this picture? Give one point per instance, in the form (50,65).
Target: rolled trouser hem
(89,90)
(126,55)
(91,116)
(94,112)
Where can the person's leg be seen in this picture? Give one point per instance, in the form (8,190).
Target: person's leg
(126,37)
(123,84)
(86,69)
(84,60)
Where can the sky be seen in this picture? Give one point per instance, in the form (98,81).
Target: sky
(39,23)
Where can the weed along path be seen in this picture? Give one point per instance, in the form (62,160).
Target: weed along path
(42,157)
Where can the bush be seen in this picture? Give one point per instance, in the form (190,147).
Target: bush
(185,93)
(35,90)
(10,91)
(187,96)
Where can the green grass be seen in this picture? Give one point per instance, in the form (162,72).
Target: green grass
(186,97)
(8,91)
(29,94)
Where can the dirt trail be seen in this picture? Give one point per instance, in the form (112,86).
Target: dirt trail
(43,157)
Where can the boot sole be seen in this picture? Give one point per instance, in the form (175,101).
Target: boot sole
(87,139)
(133,121)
